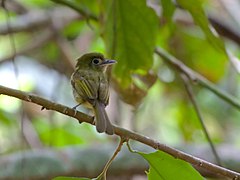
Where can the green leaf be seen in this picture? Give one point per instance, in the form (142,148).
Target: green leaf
(69,178)
(164,166)
(130,30)
(195,9)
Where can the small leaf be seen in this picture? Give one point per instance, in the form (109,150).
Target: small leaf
(164,166)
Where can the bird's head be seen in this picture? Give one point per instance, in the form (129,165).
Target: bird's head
(94,61)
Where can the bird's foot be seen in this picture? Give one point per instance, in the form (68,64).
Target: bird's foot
(75,107)
(75,111)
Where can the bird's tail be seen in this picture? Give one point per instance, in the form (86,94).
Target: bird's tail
(102,122)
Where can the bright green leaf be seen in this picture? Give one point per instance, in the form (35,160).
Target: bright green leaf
(130,29)
(200,18)
(164,166)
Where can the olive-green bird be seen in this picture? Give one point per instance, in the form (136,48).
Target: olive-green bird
(91,87)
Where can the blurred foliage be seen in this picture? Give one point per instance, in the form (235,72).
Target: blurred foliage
(128,31)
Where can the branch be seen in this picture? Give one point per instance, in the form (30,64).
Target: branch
(126,134)
(25,22)
(225,30)
(15,6)
(199,116)
(31,46)
(32,20)
(197,78)
(81,11)
(102,175)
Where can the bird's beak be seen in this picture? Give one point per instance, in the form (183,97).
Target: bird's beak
(108,62)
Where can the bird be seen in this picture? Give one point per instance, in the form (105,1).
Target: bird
(90,85)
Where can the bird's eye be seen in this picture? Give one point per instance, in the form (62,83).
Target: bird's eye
(96,61)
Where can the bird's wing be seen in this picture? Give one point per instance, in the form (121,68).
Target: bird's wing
(104,90)
(86,87)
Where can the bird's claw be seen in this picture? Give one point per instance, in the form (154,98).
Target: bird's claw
(93,122)
(75,112)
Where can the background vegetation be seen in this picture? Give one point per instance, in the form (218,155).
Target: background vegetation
(39,43)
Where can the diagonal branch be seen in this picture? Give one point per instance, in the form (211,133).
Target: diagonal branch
(200,118)
(197,78)
(33,20)
(80,10)
(223,29)
(31,46)
(126,134)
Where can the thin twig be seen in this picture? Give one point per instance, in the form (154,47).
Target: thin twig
(81,117)
(16,73)
(197,78)
(118,149)
(197,110)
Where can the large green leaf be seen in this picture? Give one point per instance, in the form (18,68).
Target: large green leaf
(164,166)
(200,18)
(130,29)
